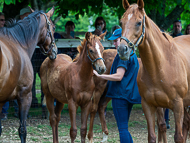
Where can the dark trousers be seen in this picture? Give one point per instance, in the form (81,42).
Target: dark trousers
(122,109)
(166,114)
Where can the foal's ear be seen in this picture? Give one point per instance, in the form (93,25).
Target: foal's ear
(31,9)
(87,35)
(125,4)
(50,12)
(140,4)
(102,35)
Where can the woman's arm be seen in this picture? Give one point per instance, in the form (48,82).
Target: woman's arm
(118,76)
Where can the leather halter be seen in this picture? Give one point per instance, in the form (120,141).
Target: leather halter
(48,33)
(139,41)
(93,61)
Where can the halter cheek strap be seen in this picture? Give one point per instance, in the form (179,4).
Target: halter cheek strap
(139,41)
(48,33)
(93,61)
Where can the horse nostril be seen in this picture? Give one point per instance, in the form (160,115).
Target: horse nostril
(126,49)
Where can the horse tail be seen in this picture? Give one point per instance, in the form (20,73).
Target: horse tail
(186,123)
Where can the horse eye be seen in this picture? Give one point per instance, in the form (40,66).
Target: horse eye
(91,51)
(139,23)
(53,28)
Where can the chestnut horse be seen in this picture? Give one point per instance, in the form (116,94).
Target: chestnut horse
(72,83)
(17,44)
(164,77)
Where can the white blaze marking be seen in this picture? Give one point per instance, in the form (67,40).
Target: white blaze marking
(129,16)
(98,49)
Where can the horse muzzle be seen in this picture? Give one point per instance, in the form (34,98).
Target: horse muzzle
(124,52)
(53,54)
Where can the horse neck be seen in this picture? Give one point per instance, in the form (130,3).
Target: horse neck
(155,49)
(85,69)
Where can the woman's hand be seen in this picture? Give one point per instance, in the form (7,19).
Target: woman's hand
(97,32)
(95,73)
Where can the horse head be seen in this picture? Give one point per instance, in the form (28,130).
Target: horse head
(46,39)
(133,28)
(95,51)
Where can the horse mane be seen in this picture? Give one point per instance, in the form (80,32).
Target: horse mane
(23,31)
(80,49)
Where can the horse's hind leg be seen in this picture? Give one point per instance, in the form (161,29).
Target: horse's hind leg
(161,125)
(24,102)
(101,110)
(58,108)
(52,117)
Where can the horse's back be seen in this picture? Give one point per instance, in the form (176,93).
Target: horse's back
(52,74)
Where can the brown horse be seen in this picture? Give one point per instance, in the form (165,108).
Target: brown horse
(17,44)
(72,83)
(164,77)
(99,101)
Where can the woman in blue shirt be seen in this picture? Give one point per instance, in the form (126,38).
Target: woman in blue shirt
(122,88)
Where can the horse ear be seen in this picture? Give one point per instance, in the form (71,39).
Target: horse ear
(102,35)
(125,4)
(140,4)
(57,19)
(31,9)
(50,12)
(87,35)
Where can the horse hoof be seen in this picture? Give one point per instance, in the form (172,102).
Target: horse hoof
(105,138)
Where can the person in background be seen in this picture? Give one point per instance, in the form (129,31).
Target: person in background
(70,34)
(100,25)
(114,28)
(187,30)
(176,28)
(122,88)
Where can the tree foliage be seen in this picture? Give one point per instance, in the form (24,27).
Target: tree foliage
(163,13)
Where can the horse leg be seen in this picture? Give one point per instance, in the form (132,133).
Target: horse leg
(161,125)
(72,112)
(95,102)
(101,110)
(58,108)
(52,116)
(24,102)
(186,122)
(178,115)
(149,112)
(85,110)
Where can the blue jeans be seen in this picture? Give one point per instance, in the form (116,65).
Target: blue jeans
(122,109)
(166,114)
(5,107)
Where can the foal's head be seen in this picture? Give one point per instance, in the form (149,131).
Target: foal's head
(46,40)
(133,28)
(95,51)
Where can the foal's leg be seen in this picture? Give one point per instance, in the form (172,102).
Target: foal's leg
(161,125)
(85,110)
(52,116)
(24,102)
(93,111)
(72,112)
(149,112)
(58,108)
(101,110)
(178,114)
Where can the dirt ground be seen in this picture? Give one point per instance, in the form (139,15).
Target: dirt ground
(39,130)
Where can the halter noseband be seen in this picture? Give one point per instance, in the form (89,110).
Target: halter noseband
(93,61)
(48,33)
(139,41)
